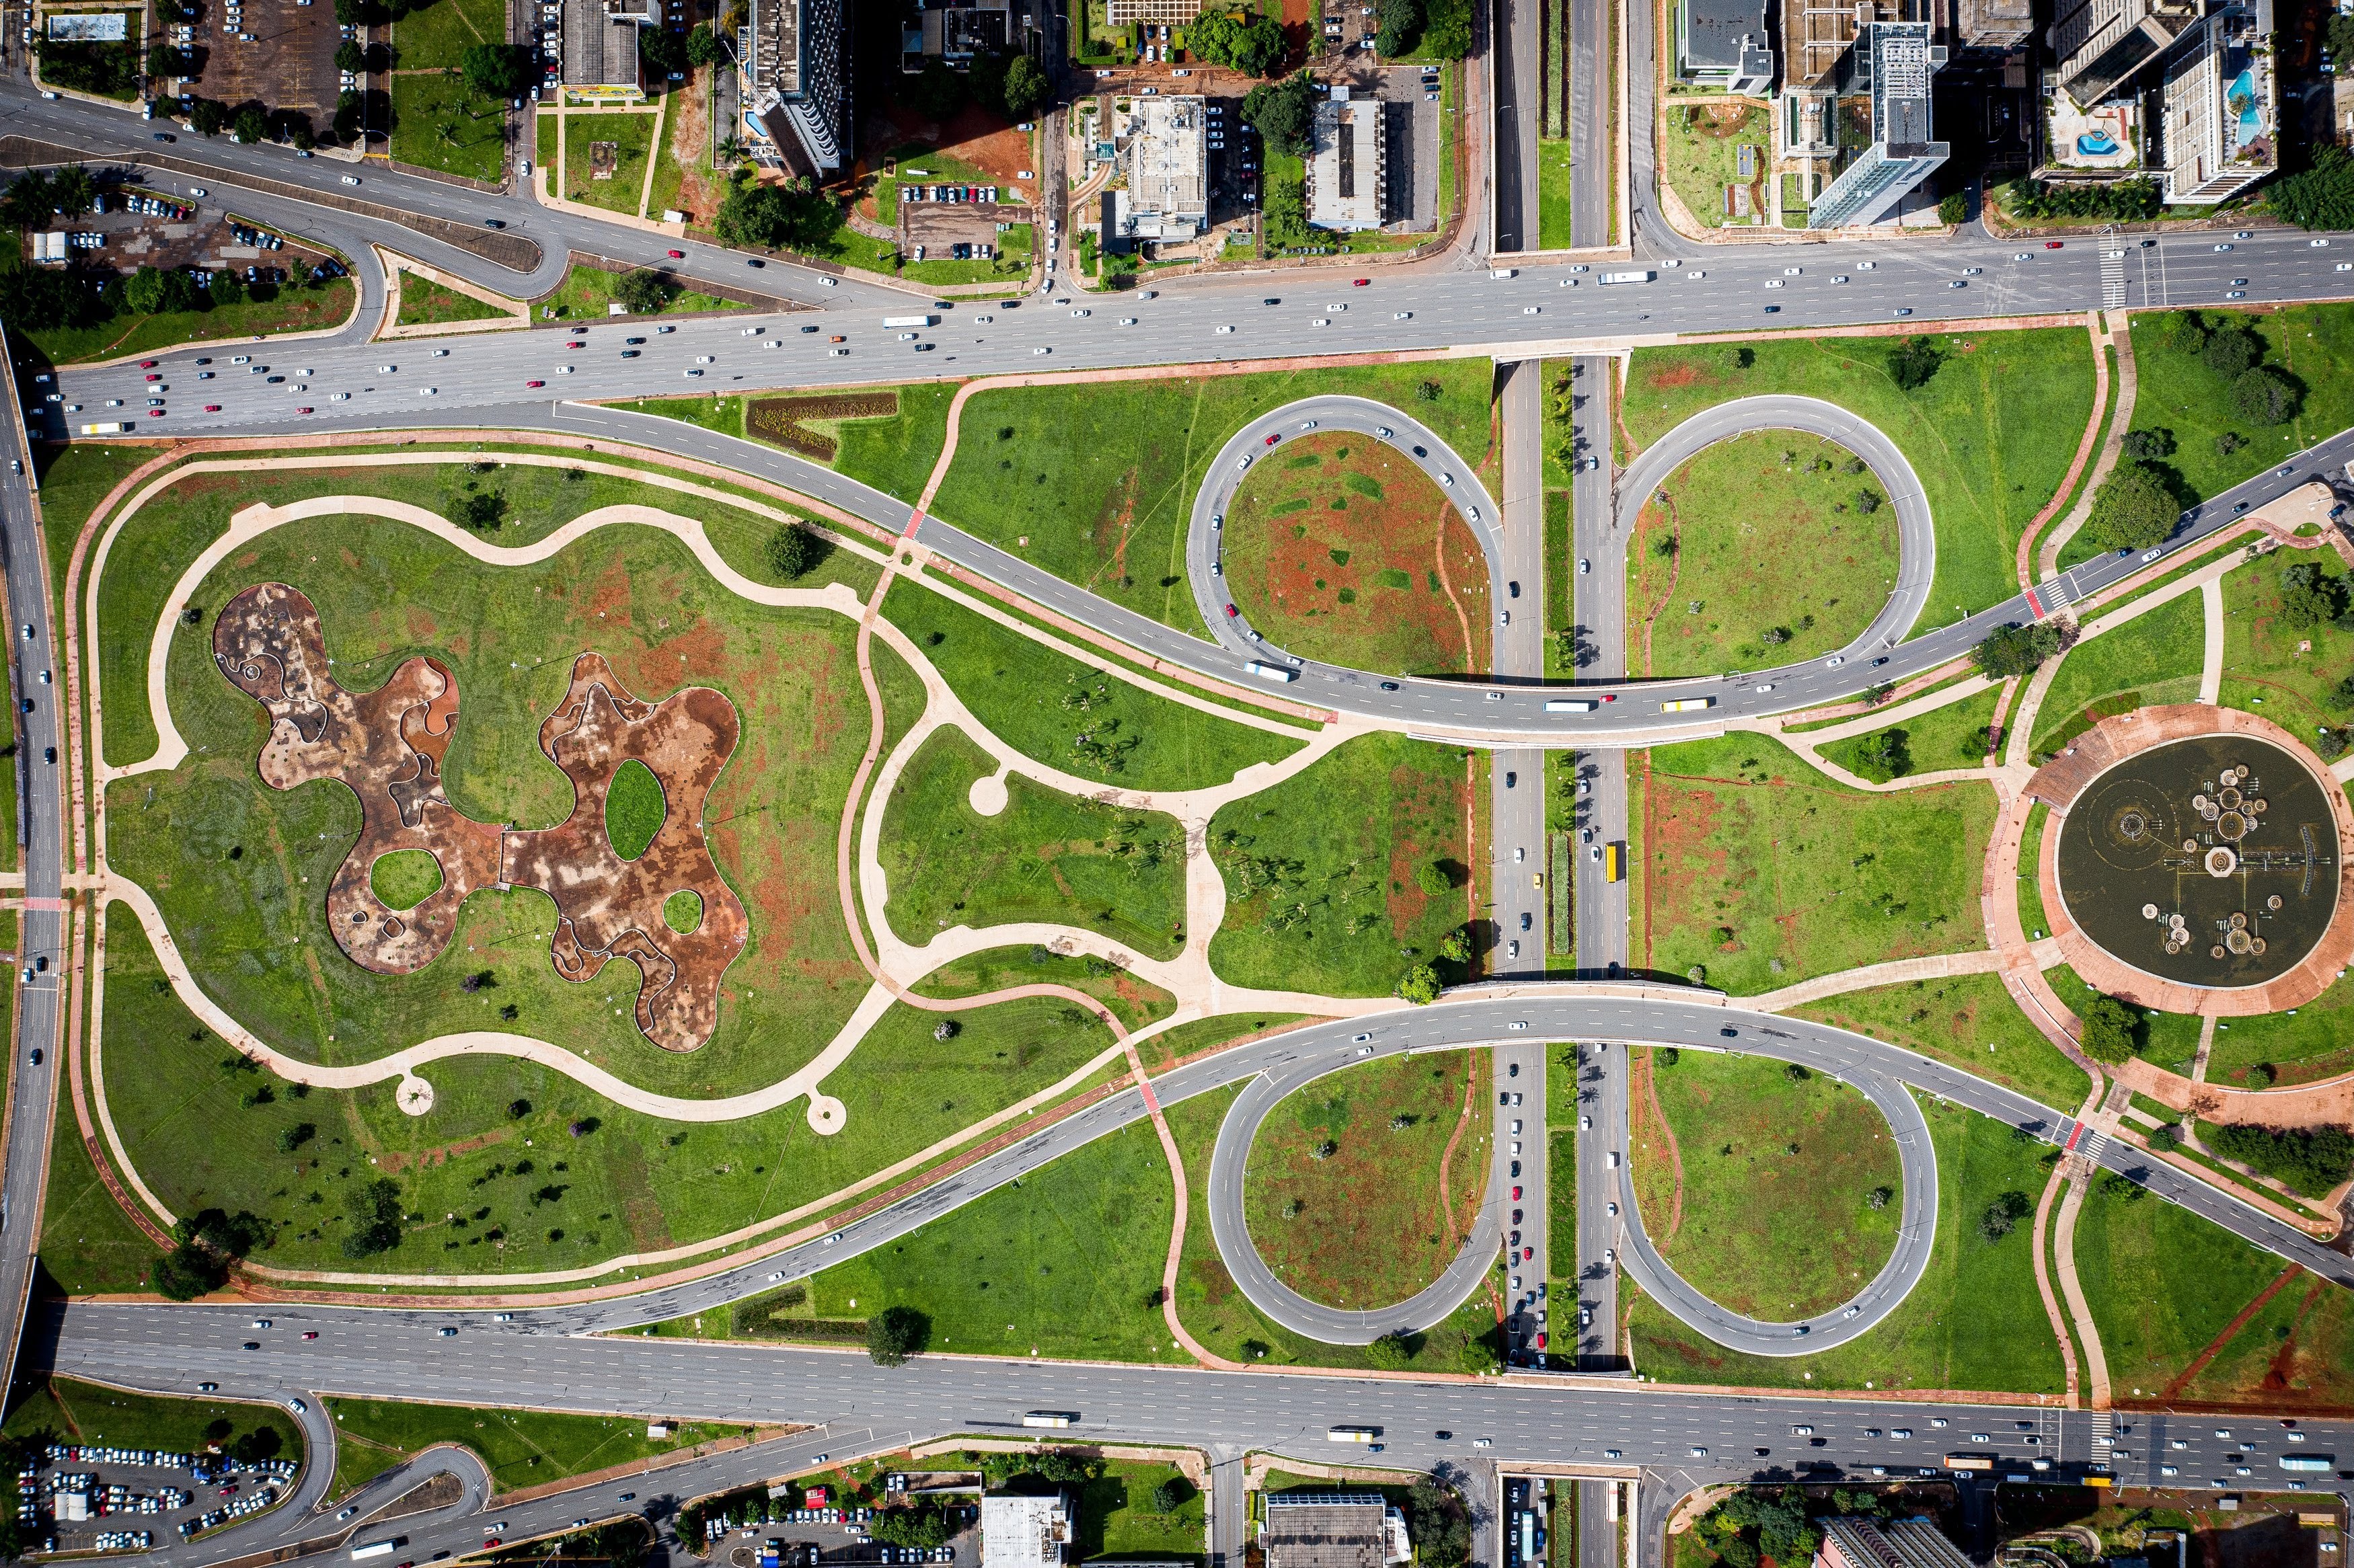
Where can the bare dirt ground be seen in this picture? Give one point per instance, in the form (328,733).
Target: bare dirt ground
(388,746)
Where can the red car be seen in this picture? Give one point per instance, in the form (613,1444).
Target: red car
(675,255)
(301,410)
(534,383)
(494,1540)
(146,364)
(1360,282)
(2054,244)
(1528,1254)
(154,413)
(1516,1194)
(212,407)
(1272,440)
(310,1334)
(155,377)
(1231,611)
(576,343)
(1609,696)
(1540,1339)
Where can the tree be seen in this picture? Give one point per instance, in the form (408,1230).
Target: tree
(502,71)
(1438,1525)
(374,1219)
(187,1272)
(1390,1352)
(2311,1160)
(1283,113)
(1913,362)
(935,93)
(2133,511)
(1171,1494)
(644,291)
(2148,445)
(1447,28)
(794,214)
(207,117)
(251,124)
(293,1138)
(2015,651)
(2266,397)
(2187,334)
(484,510)
(145,292)
(2310,597)
(920,1527)
(2110,1027)
(163,60)
(350,57)
(1891,752)
(1953,208)
(2319,196)
(2231,350)
(227,289)
(1456,946)
(1401,28)
(1025,88)
(661,51)
(792,550)
(1419,985)
(703,46)
(896,1333)
(29,203)
(1252,48)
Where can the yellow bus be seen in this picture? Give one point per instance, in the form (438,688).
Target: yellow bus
(1687,706)
(1614,864)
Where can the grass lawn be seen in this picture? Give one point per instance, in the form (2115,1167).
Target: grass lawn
(1553,211)
(439,33)
(892,453)
(1969,1020)
(544,134)
(1760,872)
(291,310)
(1217,1314)
(440,122)
(521,1448)
(1015,243)
(1064,1263)
(1345,873)
(1990,435)
(1338,548)
(74,479)
(2168,1039)
(2162,1283)
(631,132)
(633,1184)
(2315,343)
(88,1243)
(1134,1001)
(1343,1195)
(1761,1201)
(2032,918)
(2264,666)
(1760,553)
(1096,483)
(1116,1518)
(2317,1041)
(1046,857)
(2296,1353)
(2151,659)
(1041,703)
(1699,157)
(424,302)
(67,1410)
(1975,1322)
(1952,737)
(635,595)
(587,290)
(1560,1143)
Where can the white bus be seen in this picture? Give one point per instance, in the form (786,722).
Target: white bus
(911,320)
(1626,278)
(1571,705)
(1688,705)
(373,1549)
(1352,1434)
(107,428)
(2305,1461)
(1282,674)
(1050,1418)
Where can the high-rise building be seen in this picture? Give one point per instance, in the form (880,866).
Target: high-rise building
(2102,44)
(1893,61)
(1991,27)
(2214,126)
(797,85)
(1851,1543)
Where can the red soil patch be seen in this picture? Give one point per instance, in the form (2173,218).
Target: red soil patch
(986,141)
(386,747)
(2231,1331)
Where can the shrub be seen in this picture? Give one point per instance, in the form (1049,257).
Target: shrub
(2231,350)
(1419,985)
(2310,1160)
(2016,650)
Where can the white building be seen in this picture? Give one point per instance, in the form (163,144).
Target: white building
(1164,160)
(1024,1532)
(2215,135)
(797,85)
(1348,163)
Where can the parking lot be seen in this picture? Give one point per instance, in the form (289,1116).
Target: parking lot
(78,1499)
(279,54)
(938,227)
(803,1538)
(186,233)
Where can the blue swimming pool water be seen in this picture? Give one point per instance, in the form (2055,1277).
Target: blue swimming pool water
(2244,84)
(2095,144)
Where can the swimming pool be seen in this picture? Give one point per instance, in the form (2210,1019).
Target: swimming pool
(2096,145)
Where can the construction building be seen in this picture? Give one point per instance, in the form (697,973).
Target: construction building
(1348,163)
(1724,44)
(1855,1542)
(1163,153)
(1120,12)
(796,86)
(1333,1530)
(1891,63)
(1026,1532)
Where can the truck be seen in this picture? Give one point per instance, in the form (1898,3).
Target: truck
(1282,674)
(1626,277)
(1570,705)
(377,1548)
(108,427)
(1687,706)
(1049,1418)
(1352,1434)
(911,320)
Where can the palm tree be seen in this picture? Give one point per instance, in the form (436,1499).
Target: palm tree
(72,190)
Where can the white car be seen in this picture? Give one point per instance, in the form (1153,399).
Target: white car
(380,370)
(1041,349)
(2023,256)
(1321,321)
(2224,247)
(1774,283)
(703,359)
(1225,329)
(426,391)
(1128,320)
(1835,661)
(1530,310)
(1793,271)
(1838,277)
(2317,244)
(1083,312)
(1408,315)
(1972,271)
(351,179)
(340,398)
(1448,479)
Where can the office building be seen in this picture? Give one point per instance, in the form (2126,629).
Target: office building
(1853,1542)
(2103,44)
(1024,1532)
(1163,150)
(2217,112)
(601,44)
(1724,44)
(1893,62)
(796,86)
(1990,26)
(1176,13)
(1333,1530)
(1348,163)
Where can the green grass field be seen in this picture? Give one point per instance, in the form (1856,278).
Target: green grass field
(521,1448)
(438,34)
(2265,670)
(1345,873)
(1761,537)
(1554,213)
(1701,159)
(630,1183)
(894,453)
(2317,1041)
(1975,1322)
(1969,1020)
(1990,436)
(1134,1001)
(1951,736)
(631,132)
(2154,658)
(2168,1039)
(1046,857)
(424,302)
(1341,1194)
(587,290)
(2315,343)
(2031,918)
(1561,1135)
(1016,244)
(302,310)
(1771,1217)
(68,1411)
(2296,1353)
(440,122)
(1041,703)
(1761,872)
(1096,483)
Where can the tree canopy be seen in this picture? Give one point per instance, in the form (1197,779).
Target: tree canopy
(2110,1028)
(1252,48)
(896,1333)
(1283,113)
(2132,511)
(2016,650)
(502,71)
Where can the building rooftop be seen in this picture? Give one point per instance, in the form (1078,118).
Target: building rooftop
(1165,155)
(1024,1532)
(1348,177)
(1333,1530)
(600,41)
(1715,31)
